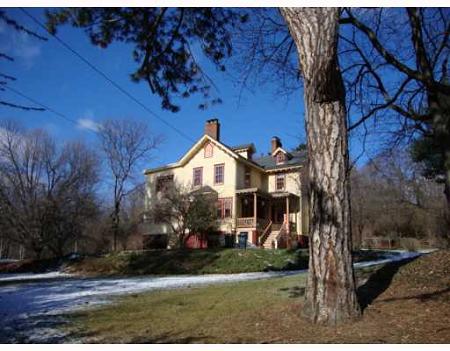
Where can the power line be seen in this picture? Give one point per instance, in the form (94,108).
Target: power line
(106,77)
(61,115)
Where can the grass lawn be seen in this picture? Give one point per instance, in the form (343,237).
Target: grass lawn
(403,303)
(165,262)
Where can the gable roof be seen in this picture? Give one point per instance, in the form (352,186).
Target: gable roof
(196,147)
(280,149)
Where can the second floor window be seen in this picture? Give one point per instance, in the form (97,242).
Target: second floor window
(219,173)
(197,176)
(279,182)
(247,177)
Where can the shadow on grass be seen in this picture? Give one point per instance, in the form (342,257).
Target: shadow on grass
(171,338)
(299,261)
(183,337)
(378,282)
(171,261)
(435,295)
(295,291)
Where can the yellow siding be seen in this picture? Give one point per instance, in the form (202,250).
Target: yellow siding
(234,176)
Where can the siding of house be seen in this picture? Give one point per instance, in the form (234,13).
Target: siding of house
(292,185)
(184,175)
(234,179)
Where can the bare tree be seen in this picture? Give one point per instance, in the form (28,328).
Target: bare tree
(330,294)
(44,190)
(133,216)
(395,64)
(125,144)
(392,184)
(185,212)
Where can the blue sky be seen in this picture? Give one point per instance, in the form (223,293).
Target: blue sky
(49,73)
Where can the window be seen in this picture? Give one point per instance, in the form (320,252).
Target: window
(224,207)
(279,182)
(208,150)
(280,157)
(247,177)
(198,176)
(219,173)
(164,182)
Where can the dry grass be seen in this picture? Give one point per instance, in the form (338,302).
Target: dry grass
(405,304)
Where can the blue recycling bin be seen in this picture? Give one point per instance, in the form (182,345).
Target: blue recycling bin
(242,240)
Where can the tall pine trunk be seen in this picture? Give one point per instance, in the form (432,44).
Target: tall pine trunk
(330,294)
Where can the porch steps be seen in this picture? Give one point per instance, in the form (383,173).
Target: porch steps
(267,244)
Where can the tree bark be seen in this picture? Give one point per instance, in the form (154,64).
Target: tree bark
(330,294)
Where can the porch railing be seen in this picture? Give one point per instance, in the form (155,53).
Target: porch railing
(249,222)
(246,222)
(265,234)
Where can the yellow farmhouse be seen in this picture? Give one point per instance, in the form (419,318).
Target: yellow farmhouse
(261,200)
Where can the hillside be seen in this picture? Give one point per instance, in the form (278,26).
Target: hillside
(406,302)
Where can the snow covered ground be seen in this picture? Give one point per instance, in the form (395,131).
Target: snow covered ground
(31,304)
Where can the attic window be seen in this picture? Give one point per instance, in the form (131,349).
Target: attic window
(208,150)
(280,157)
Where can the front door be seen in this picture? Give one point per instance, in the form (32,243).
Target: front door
(277,213)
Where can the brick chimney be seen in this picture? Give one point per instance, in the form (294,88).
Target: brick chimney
(276,143)
(212,128)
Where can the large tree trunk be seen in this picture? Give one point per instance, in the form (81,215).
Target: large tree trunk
(330,294)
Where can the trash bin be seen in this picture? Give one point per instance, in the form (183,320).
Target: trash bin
(229,240)
(242,240)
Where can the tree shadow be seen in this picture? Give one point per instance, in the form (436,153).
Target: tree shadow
(300,261)
(378,282)
(171,338)
(187,261)
(164,338)
(435,295)
(295,291)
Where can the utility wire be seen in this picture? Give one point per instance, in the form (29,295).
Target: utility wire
(61,115)
(106,77)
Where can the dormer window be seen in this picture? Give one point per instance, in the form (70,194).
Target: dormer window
(280,157)
(208,150)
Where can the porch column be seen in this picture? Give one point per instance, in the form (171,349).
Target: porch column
(287,215)
(269,205)
(255,208)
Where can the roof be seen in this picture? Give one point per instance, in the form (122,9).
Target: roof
(243,147)
(265,163)
(205,138)
(268,162)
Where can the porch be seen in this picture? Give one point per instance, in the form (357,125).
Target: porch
(264,216)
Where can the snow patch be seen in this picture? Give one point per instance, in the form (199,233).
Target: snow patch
(9,277)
